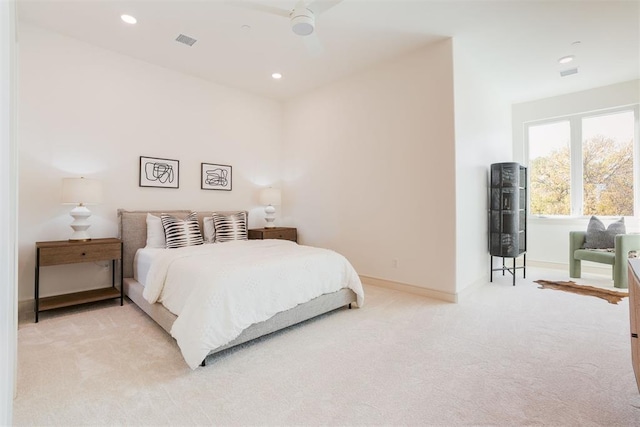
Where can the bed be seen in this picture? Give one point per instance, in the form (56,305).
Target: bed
(133,233)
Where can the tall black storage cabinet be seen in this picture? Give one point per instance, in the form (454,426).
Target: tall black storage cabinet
(508,216)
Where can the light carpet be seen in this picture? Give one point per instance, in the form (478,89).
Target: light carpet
(505,355)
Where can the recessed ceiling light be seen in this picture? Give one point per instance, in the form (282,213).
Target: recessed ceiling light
(246,27)
(566,59)
(128,19)
(276,76)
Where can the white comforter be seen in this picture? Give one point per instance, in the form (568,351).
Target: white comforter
(218,290)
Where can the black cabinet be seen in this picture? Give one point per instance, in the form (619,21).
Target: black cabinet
(508,215)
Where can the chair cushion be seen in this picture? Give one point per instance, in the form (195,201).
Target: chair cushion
(594,255)
(599,237)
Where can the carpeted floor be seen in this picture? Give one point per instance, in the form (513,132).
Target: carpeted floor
(503,356)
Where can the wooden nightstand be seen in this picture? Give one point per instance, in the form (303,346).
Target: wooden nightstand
(283,233)
(66,252)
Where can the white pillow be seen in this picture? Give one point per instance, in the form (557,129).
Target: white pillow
(155,232)
(209,229)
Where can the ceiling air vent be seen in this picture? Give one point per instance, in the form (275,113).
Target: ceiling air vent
(186,40)
(565,73)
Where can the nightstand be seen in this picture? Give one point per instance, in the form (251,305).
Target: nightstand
(282,233)
(68,252)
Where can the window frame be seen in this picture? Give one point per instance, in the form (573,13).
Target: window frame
(575,144)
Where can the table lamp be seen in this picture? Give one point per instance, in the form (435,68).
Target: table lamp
(270,197)
(81,192)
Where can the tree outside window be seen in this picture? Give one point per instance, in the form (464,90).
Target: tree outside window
(550,169)
(607,158)
(605,145)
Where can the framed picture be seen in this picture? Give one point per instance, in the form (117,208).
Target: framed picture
(157,172)
(215,177)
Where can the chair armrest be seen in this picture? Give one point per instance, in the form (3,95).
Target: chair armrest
(626,243)
(576,240)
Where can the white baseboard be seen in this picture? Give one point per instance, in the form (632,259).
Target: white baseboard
(412,289)
(25,309)
(472,287)
(586,267)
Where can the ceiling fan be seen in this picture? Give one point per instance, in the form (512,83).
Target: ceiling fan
(302,18)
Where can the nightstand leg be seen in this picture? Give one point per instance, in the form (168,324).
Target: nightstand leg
(121,274)
(37,287)
(36,292)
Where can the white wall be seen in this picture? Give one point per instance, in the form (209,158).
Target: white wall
(8,209)
(86,111)
(483,126)
(549,237)
(369,169)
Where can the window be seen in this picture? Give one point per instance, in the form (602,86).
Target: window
(607,164)
(550,168)
(584,164)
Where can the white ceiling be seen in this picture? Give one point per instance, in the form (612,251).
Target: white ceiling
(514,45)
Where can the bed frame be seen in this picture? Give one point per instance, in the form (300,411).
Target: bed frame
(132,227)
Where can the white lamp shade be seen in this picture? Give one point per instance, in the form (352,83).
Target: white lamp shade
(81,191)
(270,196)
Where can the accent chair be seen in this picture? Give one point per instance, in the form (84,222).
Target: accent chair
(617,258)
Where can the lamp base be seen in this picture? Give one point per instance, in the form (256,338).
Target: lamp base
(80,224)
(270,216)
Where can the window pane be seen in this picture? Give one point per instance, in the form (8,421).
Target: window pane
(550,168)
(607,153)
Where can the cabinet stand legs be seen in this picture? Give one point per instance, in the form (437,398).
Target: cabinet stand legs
(508,269)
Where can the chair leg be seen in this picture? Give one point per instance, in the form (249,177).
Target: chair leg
(575,268)
(620,276)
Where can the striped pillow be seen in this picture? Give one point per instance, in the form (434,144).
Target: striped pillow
(230,227)
(180,233)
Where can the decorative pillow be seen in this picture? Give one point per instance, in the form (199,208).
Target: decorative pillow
(600,238)
(155,232)
(209,229)
(180,233)
(230,227)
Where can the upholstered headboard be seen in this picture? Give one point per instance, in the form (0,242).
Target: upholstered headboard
(132,230)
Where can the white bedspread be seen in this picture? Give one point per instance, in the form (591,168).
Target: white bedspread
(218,290)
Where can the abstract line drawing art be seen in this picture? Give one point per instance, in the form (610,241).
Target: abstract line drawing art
(158,172)
(215,177)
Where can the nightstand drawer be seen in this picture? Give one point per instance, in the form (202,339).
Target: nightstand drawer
(282,233)
(289,234)
(79,253)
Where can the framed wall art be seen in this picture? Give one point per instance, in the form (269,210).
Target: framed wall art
(158,172)
(215,177)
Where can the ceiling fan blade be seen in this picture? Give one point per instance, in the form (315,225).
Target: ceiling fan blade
(262,8)
(313,44)
(321,6)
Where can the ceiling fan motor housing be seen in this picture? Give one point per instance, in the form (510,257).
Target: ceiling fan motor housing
(302,21)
